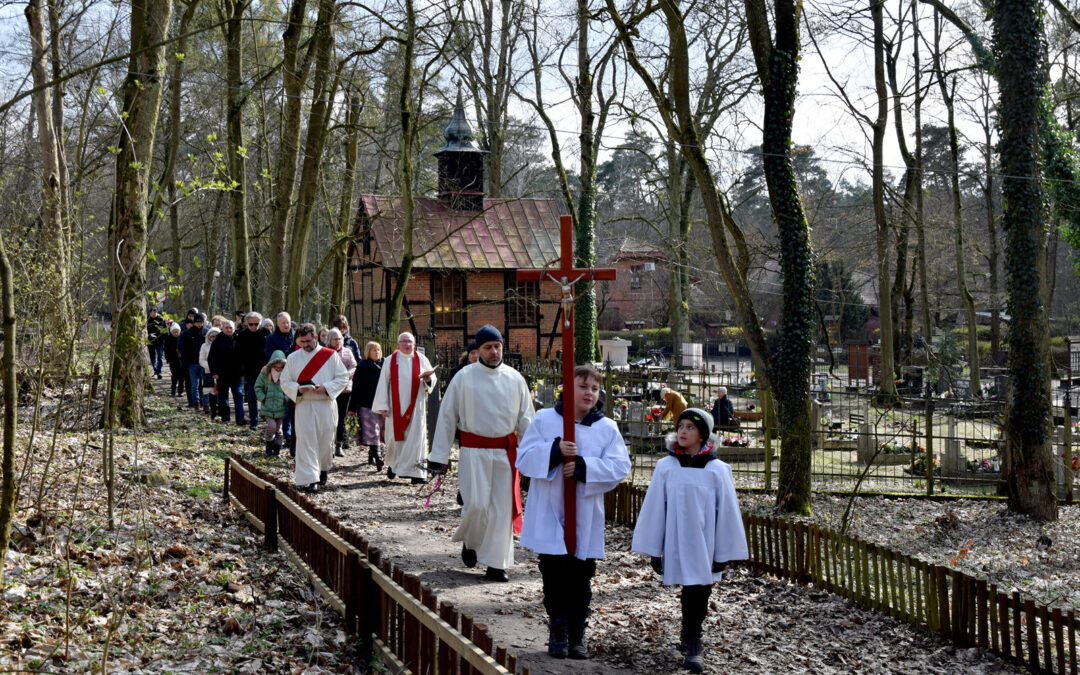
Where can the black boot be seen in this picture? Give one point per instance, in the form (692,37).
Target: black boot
(322,478)
(337,450)
(577,649)
(372,454)
(270,449)
(695,658)
(277,443)
(557,638)
(468,556)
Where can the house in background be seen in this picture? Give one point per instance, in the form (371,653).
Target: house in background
(468,249)
(638,297)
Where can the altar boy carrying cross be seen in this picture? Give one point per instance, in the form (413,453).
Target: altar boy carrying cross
(573,455)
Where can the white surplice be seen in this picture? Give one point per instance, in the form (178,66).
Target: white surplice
(691,518)
(315,419)
(490,402)
(601,449)
(406,457)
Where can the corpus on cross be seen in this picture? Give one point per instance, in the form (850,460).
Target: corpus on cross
(566,275)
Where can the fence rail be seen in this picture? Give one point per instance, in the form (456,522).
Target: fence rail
(397,617)
(966,609)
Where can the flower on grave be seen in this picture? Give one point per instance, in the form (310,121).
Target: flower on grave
(1076,463)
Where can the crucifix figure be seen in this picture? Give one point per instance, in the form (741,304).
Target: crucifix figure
(566,276)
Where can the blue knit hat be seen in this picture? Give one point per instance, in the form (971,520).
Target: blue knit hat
(488,333)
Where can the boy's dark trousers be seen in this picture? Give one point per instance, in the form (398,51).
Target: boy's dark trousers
(695,605)
(567,587)
(179,378)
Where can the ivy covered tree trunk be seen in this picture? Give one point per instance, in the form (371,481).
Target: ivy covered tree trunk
(585,333)
(142,90)
(1019,45)
(778,68)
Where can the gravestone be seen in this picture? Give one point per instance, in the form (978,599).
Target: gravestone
(954,463)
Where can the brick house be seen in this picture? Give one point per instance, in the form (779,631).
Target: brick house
(468,248)
(638,298)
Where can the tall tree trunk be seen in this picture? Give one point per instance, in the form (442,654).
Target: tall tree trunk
(777,62)
(406,169)
(680,189)
(321,107)
(339,276)
(1019,39)
(585,333)
(53,258)
(886,382)
(142,91)
(992,242)
(241,281)
(172,148)
(920,221)
(293,75)
(7,380)
(61,150)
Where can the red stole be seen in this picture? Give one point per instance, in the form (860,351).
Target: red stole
(315,364)
(401,422)
(510,444)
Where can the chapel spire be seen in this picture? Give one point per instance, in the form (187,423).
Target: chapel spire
(461,164)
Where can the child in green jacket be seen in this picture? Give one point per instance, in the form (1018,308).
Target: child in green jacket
(272,402)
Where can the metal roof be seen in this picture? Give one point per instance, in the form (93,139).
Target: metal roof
(508,234)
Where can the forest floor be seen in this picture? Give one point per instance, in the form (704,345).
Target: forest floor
(182,585)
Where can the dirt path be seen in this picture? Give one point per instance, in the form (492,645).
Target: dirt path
(755,624)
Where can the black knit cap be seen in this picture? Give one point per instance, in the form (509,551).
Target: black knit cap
(488,333)
(700,419)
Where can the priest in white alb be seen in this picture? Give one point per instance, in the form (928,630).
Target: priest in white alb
(489,402)
(313,377)
(401,398)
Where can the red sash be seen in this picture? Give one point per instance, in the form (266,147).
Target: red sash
(315,364)
(509,443)
(401,422)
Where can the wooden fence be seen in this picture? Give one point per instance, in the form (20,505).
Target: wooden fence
(396,617)
(969,611)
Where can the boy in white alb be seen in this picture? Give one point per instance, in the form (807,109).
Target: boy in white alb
(690,524)
(597,461)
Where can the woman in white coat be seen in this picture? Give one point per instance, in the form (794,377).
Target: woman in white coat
(597,461)
(690,523)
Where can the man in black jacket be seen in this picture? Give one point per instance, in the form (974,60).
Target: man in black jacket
(190,342)
(155,339)
(250,352)
(225,369)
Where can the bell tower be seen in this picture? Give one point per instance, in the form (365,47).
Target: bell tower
(461,165)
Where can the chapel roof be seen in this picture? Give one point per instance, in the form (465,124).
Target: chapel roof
(507,234)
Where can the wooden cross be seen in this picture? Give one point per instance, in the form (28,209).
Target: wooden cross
(566,275)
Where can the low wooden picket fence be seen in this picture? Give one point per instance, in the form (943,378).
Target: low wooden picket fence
(395,615)
(966,609)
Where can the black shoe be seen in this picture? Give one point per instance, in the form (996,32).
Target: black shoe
(460,501)
(292,451)
(468,556)
(338,452)
(557,638)
(378,464)
(310,489)
(576,633)
(241,422)
(390,473)
(345,445)
(269,448)
(159,376)
(322,478)
(495,574)
(418,481)
(254,425)
(695,659)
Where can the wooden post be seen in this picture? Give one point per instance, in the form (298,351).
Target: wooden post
(447,659)
(270,524)
(225,491)
(1059,639)
(369,601)
(1044,621)
(929,444)
(1032,634)
(351,591)
(1017,637)
(982,609)
(1072,642)
(1003,621)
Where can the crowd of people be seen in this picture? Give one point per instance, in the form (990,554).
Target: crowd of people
(305,383)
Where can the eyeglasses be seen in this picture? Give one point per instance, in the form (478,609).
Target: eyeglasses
(254,325)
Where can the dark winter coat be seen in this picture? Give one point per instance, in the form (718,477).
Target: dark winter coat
(723,414)
(223,360)
(279,342)
(191,341)
(365,380)
(172,342)
(156,330)
(251,351)
(348,341)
